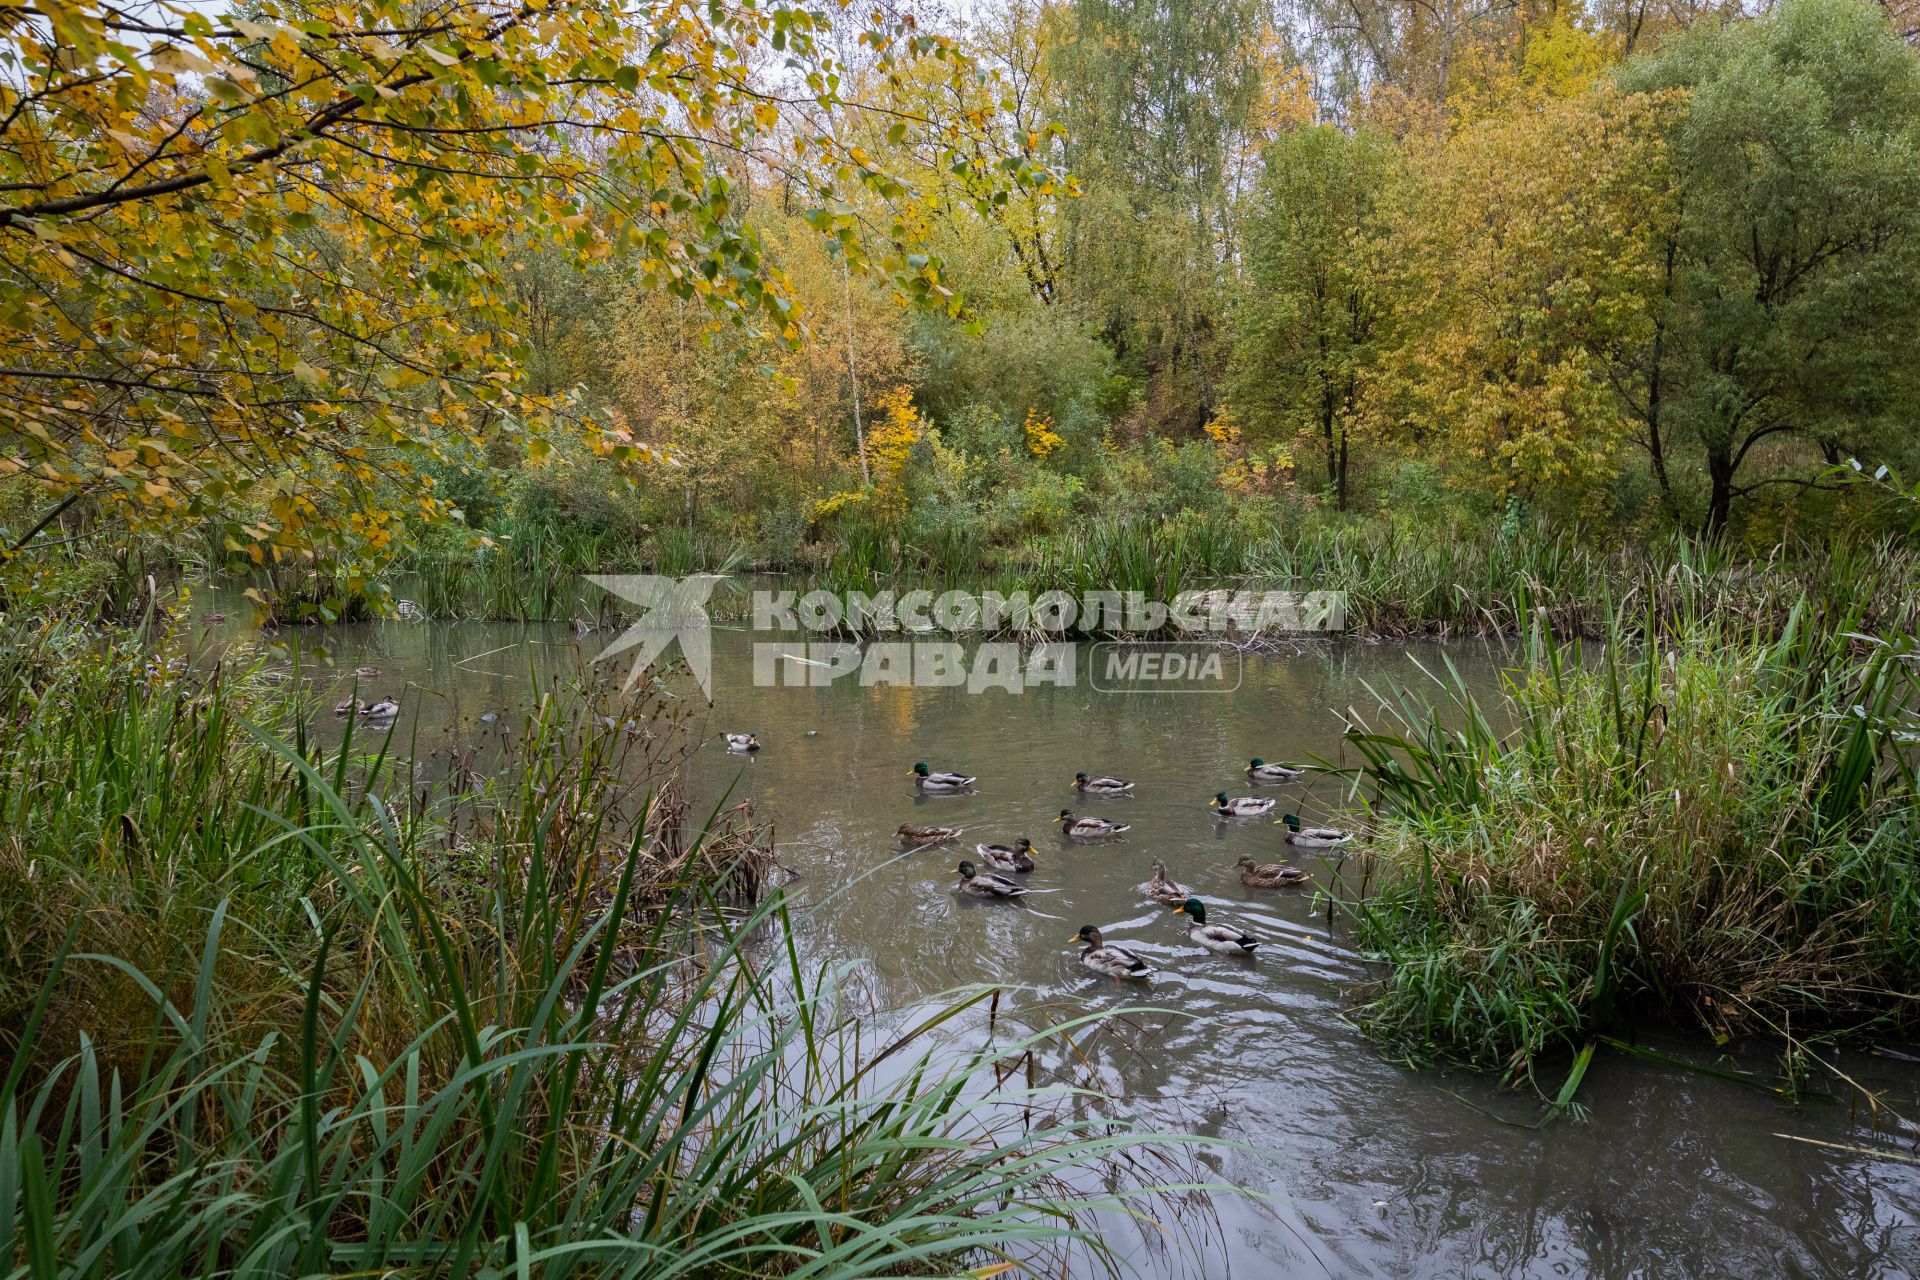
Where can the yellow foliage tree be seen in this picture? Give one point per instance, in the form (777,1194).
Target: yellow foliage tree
(895,430)
(1555,58)
(255,260)
(745,417)
(1520,261)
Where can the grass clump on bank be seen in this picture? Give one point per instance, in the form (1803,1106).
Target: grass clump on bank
(1718,826)
(265,1015)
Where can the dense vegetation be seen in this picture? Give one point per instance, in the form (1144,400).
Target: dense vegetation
(1714,824)
(1560,320)
(266,1014)
(1229,268)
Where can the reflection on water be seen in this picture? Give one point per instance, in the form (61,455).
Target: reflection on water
(1386,1171)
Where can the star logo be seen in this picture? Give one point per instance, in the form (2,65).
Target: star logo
(670,609)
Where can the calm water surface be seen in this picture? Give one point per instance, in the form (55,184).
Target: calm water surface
(1378,1170)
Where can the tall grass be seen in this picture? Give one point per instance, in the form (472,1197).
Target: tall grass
(538,574)
(1398,579)
(1714,820)
(1400,582)
(268,1014)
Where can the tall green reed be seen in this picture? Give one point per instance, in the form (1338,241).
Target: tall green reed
(1711,820)
(536,1040)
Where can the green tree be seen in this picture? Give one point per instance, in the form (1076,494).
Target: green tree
(1306,329)
(1157,97)
(1792,270)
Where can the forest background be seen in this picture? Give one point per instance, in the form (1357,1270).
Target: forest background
(1237,271)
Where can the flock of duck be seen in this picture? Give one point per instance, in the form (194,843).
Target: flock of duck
(1005,861)
(1008,860)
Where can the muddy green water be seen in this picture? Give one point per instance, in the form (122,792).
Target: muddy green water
(1375,1170)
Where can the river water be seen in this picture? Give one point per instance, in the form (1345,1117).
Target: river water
(1372,1169)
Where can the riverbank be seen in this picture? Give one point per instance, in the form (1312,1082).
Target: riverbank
(1397,580)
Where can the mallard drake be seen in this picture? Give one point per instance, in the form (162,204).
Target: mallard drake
(1259,770)
(1089,828)
(1271,875)
(1312,837)
(1161,889)
(931,781)
(385,709)
(1106,957)
(1016,857)
(985,884)
(1224,938)
(915,837)
(742,741)
(1101,786)
(1240,806)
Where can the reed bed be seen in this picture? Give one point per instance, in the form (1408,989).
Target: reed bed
(1399,583)
(270,1009)
(1714,820)
(537,572)
(1398,580)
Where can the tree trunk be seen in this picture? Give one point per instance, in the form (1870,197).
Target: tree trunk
(1341,486)
(1328,412)
(1656,389)
(1720,494)
(1654,446)
(853,374)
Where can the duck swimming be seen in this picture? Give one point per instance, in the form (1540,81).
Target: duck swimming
(932,780)
(1161,889)
(1101,786)
(1259,770)
(985,884)
(1241,806)
(1016,857)
(742,741)
(1107,958)
(1089,828)
(1313,837)
(385,709)
(913,837)
(1272,875)
(1223,938)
